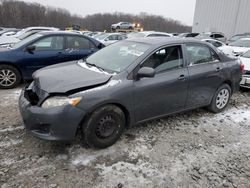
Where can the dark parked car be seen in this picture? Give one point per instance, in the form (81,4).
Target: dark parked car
(187,35)
(127,83)
(40,50)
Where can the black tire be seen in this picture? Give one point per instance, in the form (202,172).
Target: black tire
(217,105)
(130,28)
(14,77)
(104,127)
(118,27)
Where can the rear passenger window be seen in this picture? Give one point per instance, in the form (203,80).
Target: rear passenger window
(165,59)
(78,43)
(200,54)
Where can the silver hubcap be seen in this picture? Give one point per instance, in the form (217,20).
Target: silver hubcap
(222,98)
(7,77)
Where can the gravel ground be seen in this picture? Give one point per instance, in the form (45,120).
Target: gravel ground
(193,149)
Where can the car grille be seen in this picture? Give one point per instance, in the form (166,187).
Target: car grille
(247,72)
(34,94)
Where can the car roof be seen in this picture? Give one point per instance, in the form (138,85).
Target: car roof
(203,39)
(60,33)
(155,32)
(163,40)
(244,39)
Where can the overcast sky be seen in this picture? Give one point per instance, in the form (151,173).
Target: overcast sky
(182,10)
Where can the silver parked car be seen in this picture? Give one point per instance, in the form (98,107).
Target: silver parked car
(122,25)
(110,38)
(148,34)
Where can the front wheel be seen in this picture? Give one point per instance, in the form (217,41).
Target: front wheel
(9,77)
(104,127)
(220,99)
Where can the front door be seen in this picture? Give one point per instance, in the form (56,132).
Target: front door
(48,51)
(167,91)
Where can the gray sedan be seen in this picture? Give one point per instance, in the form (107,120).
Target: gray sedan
(124,84)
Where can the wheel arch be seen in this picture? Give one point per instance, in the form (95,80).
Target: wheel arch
(228,82)
(119,105)
(13,65)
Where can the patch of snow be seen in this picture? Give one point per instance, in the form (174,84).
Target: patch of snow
(135,175)
(9,143)
(236,115)
(10,98)
(36,170)
(90,156)
(92,68)
(11,129)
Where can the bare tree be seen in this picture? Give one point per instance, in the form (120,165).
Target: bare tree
(20,14)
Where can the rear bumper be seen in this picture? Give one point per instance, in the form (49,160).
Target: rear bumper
(245,82)
(59,123)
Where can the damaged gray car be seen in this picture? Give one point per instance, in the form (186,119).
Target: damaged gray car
(124,84)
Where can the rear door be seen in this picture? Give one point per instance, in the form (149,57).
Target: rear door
(205,74)
(167,91)
(78,47)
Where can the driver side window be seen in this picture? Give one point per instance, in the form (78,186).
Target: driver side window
(165,59)
(49,43)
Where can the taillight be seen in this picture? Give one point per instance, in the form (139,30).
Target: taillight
(242,67)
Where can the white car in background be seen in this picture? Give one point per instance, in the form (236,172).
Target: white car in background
(110,38)
(12,39)
(122,25)
(240,46)
(213,35)
(245,59)
(148,34)
(220,46)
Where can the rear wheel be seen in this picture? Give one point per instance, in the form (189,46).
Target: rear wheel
(220,99)
(10,77)
(104,127)
(118,27)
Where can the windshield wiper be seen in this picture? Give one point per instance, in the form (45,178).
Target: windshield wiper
(94,65)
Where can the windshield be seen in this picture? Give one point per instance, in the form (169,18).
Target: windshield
(25,35)
(26,40)
(241,43)
(117,57)
(247,54)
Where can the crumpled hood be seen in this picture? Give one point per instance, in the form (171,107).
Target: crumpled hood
(65,77)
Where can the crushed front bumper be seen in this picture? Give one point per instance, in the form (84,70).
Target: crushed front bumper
(59,123)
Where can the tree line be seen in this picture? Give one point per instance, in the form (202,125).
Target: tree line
(21,14)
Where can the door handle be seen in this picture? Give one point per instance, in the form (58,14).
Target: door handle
(218,69)
(182,77)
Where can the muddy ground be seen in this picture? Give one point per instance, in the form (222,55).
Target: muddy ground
(193,149)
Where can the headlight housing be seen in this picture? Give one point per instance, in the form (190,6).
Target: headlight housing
(60,101)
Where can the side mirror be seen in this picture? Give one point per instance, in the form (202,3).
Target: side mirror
(30,48)
(100,46)
(146,72)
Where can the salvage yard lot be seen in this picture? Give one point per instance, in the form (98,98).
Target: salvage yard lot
(192,149)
